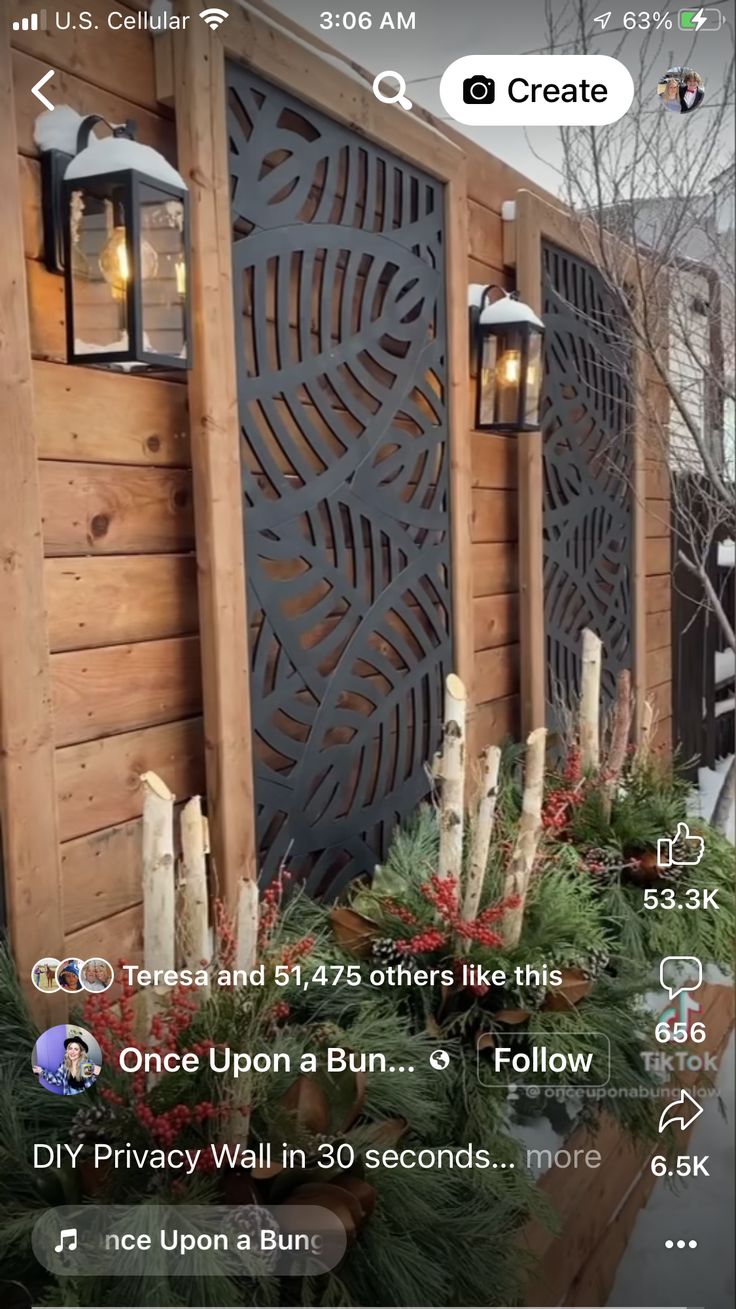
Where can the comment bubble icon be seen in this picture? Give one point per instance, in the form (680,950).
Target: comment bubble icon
(679,973)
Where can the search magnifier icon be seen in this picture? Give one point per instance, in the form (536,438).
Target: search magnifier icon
(397,97)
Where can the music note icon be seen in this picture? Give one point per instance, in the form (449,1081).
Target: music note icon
(67,1234)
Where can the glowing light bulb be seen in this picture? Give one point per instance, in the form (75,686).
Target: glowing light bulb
(509,368)
(115,265)
(180,270)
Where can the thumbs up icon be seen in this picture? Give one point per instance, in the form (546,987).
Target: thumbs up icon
(681,850)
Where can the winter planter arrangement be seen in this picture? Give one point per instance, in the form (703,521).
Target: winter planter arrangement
(511,911)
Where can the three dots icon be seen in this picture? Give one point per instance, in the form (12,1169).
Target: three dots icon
(681,1245)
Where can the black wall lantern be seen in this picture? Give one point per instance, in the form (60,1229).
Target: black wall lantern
(116,222)
(506,341)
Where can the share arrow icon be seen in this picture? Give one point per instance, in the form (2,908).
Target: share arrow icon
(684,1110)
(603,19)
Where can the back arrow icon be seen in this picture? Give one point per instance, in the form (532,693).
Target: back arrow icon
(36,90)
(684,1110)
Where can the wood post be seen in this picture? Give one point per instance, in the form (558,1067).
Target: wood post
(453,780)
(28,790)
(202,137)
(193,934)
(518,874)
(159,907)
(590,695)
(482,830)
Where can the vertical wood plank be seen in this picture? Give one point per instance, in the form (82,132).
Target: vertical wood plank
(27,784)
(460,443)
(531,492)
(203,140)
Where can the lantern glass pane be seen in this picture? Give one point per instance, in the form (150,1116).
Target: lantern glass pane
(162,264)
(509,364)
(99,270)
(533,379)
(487,381)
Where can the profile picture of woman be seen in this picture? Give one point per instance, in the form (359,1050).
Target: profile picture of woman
(66,1059)
(97,975)
(670,96)
(69,975)
(43,975)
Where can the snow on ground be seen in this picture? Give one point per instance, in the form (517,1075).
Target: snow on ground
(725,665)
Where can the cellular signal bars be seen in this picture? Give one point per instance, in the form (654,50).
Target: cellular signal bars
(33,23)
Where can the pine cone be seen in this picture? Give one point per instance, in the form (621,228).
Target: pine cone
(595,964)
(603,864)
(530,997)
(385,953)
(251,1220)
(90,1123)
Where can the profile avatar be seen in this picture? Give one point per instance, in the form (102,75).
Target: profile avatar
(681,90)
(67,1060)
(69,975)
(43,975)
(97,975)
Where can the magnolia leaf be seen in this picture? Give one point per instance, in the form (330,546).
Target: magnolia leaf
(353,932)
(306,1099)
(573,988)
(345,1093)
(364,1193)
(265,1174)
(512,1017)
(335,1199)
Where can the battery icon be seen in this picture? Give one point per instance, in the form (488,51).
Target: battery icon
(700,20)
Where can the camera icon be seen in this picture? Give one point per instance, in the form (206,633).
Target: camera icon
(479,90)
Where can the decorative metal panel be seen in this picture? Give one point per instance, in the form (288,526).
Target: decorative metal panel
(340,322)
(587,434)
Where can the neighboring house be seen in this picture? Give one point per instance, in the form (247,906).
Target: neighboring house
(694,235)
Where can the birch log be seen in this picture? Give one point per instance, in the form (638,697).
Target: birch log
(520,867)
(590,702)
(194,936)
(482,831)
(159,907)
(452,774)
(645,741)
(622,714)
(237,1120)
(246,932)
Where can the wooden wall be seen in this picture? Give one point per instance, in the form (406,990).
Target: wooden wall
(118,534)
(494,478)
(118,571)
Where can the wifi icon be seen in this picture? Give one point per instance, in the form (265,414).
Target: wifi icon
(214,17)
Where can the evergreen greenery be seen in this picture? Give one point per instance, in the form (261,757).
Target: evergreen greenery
(441,1233)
